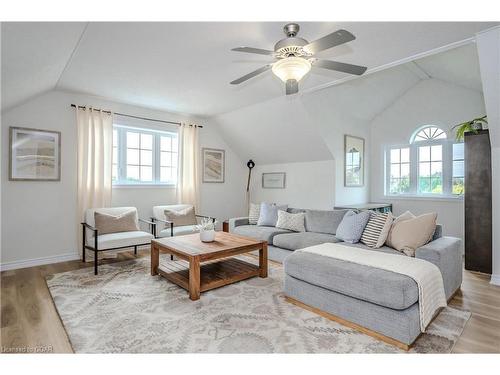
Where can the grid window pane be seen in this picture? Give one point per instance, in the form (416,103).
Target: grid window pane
(175,144)
(132,156)
(437,153)
(133,172)
(395,155)
(165,159)
(436,169)
(132,140)
(424,153)
(146,157)
(405,170)
(458,168)
(146,141)
(405,155)
(395,172)
(166,144)
(424,170)
(436,185)
(114,172)
(458,187)
(115,155)
(146,174)
(458,151)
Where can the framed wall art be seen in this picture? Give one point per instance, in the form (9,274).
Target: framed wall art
(354,160)
(275,180)
(34,155)
(214,165)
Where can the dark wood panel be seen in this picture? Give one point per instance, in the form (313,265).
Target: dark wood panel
(478,215)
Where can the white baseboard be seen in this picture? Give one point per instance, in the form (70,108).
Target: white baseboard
(38,261)
(495,280)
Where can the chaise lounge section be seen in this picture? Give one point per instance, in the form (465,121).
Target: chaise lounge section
(381,303)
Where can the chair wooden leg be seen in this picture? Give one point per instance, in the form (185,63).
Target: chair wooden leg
(135,250)
(95,262)
(83,254)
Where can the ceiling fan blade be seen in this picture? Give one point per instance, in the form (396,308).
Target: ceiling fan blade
(251,75)
(341,67)
(292,86)
(328,41)
(254,50)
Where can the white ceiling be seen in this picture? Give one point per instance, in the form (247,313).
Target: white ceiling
(310,126)
(187,67)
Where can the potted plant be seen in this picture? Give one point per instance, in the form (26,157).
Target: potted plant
(207,229)
(469,126)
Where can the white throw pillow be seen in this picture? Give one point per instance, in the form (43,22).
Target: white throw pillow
(253,213)
(293,222)
(377,229)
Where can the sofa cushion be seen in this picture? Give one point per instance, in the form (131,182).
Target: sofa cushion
(352,226)
(294,241)
(253,213)
(377,229)
(269,213)
(182,217)
(259,232)
(112,240)
(293,222)
(178,231)
(366,283)
(406,235)
(323,221)
(126,222)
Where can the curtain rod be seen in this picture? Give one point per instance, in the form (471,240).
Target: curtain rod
(137,117)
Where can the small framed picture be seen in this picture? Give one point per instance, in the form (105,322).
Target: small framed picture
(34,155)
(214,165)
(354,160)
(275,180)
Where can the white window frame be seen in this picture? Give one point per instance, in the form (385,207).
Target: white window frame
(122,181)
(447,160)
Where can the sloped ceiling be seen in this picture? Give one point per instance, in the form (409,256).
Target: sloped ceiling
(34,56)
(310,126)
(186,67)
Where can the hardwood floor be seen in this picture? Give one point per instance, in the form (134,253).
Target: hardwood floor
(29,318)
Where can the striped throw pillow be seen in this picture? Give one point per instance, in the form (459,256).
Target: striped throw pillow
(253,213)
(377,229)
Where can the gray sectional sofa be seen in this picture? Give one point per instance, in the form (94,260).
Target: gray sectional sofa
(381,301)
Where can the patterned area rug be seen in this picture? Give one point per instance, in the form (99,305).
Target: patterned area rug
(126,310)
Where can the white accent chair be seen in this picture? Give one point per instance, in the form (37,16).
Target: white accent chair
(121,241)
(168,229)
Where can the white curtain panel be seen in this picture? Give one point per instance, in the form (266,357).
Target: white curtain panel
(188,179)
(95,152)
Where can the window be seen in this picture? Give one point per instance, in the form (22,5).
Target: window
(400,170)
(144,157)
(458,169)
(431,165)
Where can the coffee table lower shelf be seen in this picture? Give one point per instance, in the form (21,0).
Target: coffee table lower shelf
(212,274)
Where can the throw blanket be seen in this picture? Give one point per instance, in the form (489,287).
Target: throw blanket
(431,296)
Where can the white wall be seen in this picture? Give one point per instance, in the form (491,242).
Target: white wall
(429,102)
(39,218)
(308,185)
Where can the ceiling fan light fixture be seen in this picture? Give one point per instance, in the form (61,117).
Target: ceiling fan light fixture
(291,68)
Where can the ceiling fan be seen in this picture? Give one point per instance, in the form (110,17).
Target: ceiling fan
(295,57)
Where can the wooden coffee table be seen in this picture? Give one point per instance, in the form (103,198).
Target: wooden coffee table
(204,266)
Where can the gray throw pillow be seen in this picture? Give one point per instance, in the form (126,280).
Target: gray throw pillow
(269,214)
(352,226)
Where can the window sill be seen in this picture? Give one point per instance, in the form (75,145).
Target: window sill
(445,198)
(144,186)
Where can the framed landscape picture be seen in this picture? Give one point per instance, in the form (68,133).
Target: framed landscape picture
(275,180)
(214,165)
(354,160)
(34,155)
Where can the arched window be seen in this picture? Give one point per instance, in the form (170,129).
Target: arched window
(428,133)
(429,165)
